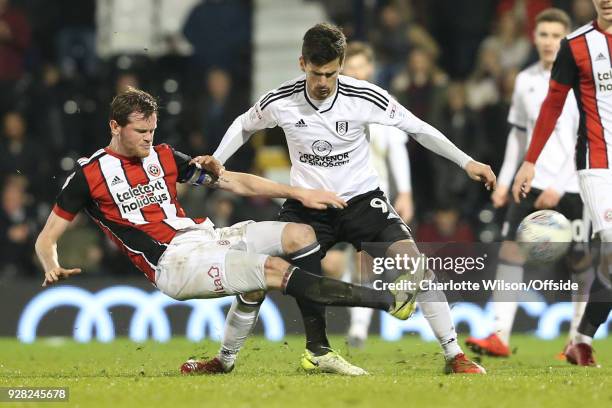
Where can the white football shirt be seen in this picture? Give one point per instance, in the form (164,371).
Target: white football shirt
(557,169)
(327,139)
(387,147)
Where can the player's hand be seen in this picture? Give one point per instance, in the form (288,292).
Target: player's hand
(499,197)
(404,206)
(522,181)
(210,164)
(548,198)
(481,172)
(54,275)
(319,199)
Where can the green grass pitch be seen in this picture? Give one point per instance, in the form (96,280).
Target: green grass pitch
(407,373)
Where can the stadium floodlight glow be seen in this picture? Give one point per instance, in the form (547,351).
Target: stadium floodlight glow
(149,312)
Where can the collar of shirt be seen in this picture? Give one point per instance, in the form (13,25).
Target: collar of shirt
(324,104)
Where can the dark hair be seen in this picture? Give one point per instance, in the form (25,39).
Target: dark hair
(323,43)
(554,15)
(130,101)
(359,48)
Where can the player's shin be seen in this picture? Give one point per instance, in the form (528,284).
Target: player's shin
(313,315)
(600,298)
(307,286)
(580,297)
(240,321)
(505,303)
(436,311)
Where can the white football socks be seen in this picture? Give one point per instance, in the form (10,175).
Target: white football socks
(580,297)
(240,321)
(582,338)
(360,322)
(436,311)
(505,303)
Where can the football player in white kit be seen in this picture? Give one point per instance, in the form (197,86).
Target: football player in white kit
(324,116)
(389,158)
(555,185)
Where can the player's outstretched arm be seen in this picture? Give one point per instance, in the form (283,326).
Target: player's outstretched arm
(46,250)
(250,185)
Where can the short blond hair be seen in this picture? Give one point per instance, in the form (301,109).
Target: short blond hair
(554,15)
(359,48)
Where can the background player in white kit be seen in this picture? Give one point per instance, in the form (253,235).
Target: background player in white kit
(324,116)
(555,185)
(389,158)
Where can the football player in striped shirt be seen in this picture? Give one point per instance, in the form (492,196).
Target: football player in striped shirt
(555,185)
(129,190)
(324,116)
(584,64)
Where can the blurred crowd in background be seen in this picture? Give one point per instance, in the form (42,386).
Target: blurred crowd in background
(452,63)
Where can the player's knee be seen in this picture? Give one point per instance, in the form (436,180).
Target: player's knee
(297,236)
(334,264)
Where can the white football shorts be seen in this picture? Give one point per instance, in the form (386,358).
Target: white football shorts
(202,262)
(596,193)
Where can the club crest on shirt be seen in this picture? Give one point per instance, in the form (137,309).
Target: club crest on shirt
(153,169)
(341,127)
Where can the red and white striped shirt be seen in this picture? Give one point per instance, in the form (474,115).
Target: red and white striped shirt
(584,63)
(133,200)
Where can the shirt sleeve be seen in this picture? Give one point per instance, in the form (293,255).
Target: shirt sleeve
(517,116)
(515,148)
(259,117)
(399,161)
(392,113)
(562,78)
(190,173)
(74,195)
(564,70)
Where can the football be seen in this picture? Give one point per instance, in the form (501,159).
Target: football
(544,236)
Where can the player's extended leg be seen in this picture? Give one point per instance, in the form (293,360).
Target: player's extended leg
(277,273)
(275,238)
(580,263)
(598,308)
(436,311)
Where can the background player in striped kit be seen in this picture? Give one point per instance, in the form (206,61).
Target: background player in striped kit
(583,64)
(555,185)
(324,115)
